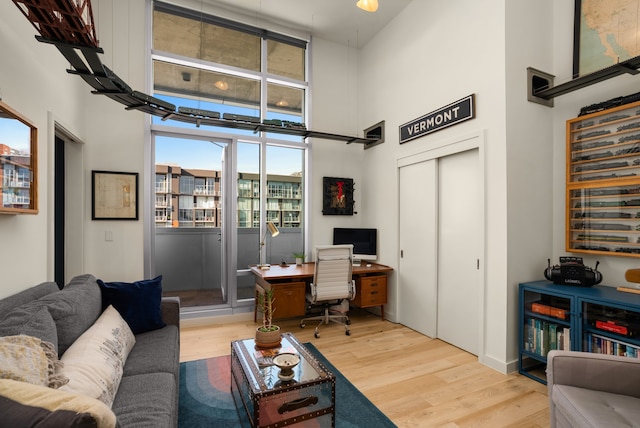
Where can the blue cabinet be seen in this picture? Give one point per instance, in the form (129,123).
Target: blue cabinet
(591,319)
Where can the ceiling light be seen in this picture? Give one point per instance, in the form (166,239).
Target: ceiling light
(222,85)
(282,103)
(368,5)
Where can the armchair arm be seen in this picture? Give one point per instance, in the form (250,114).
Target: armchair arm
(170,307)
(608,373)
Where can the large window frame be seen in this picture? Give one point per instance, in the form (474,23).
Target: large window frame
(266,80)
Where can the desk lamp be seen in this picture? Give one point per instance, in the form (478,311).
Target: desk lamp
(273,230)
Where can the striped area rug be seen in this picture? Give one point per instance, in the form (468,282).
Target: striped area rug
(206,401)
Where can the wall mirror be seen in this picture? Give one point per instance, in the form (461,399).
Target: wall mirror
(18,163)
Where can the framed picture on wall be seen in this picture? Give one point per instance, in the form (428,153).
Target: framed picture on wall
(114,195)
(337,196)
(605,33)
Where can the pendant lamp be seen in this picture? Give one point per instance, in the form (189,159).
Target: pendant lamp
(368,5)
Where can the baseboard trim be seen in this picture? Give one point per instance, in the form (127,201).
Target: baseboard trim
(501,366)
(201,319)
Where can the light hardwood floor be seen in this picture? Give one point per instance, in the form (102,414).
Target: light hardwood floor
(415,380)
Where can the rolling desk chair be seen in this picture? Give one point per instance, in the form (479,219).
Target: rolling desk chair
(332,286)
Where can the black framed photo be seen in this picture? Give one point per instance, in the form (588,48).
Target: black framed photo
(605,33)
(114,195)
(337,196)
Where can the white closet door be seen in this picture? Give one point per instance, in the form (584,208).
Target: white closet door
(417,265)
(459,242)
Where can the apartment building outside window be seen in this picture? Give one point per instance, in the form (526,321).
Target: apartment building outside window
(284,201)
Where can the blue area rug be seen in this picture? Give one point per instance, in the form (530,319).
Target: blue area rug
(206,401)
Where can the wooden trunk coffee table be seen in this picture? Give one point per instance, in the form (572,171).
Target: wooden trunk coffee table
(264,400)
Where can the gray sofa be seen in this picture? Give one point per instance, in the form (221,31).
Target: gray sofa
(593,390)
(147,395)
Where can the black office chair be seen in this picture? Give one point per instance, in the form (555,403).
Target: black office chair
(332,287)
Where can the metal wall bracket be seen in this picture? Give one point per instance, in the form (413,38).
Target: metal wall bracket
(538,80)
(536,92)
(374,132)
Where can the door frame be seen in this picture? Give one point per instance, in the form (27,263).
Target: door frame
(462,143)
(228,245)
(69,231)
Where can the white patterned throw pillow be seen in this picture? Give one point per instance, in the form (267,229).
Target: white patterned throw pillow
(95,361)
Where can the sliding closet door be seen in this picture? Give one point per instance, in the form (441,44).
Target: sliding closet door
(459,232)
(440,276)
(418,247)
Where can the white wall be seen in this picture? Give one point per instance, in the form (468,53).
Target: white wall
(435,53)
(529,42)
(115,140)
(334,109)
(34,82)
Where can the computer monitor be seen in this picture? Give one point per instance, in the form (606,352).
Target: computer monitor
(364,240)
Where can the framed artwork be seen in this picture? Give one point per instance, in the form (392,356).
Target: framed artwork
(337,196)
(605,33)
(18,163)
(114,195)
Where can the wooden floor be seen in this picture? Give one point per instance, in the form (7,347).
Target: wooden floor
(416,381)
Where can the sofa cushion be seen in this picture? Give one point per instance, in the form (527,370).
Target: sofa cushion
(588,408)
(147,400)
(25,296)
(94,363)
(138,302)
(58,403)
(163,345)
(31,320)
(74,309)
(29,359)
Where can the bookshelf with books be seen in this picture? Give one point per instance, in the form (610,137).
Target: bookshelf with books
(610,330)
(545,324)
(597,319)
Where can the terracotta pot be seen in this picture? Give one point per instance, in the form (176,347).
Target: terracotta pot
(268,339)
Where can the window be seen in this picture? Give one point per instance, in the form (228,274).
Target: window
(232,71)
(211,64)
(187,185)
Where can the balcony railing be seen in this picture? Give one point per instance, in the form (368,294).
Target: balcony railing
(20,184)
(8,199)
(206,190)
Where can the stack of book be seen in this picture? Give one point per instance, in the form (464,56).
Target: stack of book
(544,336)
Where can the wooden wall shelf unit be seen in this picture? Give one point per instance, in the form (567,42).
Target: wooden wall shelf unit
(603,182)
(596,319)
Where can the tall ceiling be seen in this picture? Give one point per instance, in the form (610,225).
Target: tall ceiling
(339,21)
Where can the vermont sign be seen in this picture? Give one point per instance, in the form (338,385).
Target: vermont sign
(444,117)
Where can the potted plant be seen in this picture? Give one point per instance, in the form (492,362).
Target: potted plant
(268,334)
(299,258)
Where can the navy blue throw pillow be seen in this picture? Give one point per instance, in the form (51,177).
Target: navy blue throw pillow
(137,302)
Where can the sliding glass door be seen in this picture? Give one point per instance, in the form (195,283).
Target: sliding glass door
(189,205)
(195,215)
